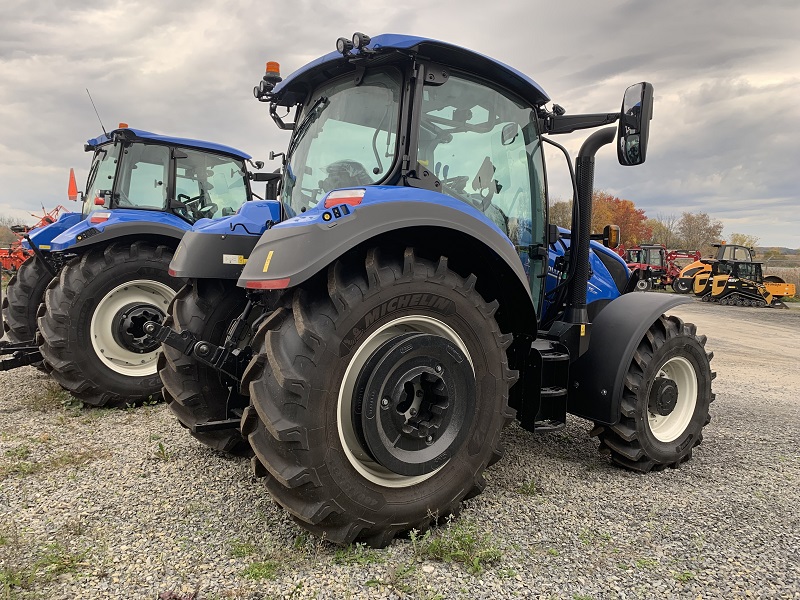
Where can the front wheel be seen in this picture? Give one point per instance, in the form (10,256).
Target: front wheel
(682,286)
(93,341)
(644,285)
(378,396)
(665,402)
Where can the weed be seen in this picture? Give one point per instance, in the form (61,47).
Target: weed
(57,560)
(646,563)
(261,570)
(528,489)
(162,453)
(356,554)
(67,459)
(684,576)
(506,573)
(396,577)
(19,453)
(552,552)
(460,541)
(242,549)
(581,597)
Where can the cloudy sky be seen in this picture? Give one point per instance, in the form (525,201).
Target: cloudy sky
(725,138)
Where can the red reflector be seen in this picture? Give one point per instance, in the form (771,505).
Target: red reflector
(268,284)
(97,200)
(171,272)
(349,197)
(99,217)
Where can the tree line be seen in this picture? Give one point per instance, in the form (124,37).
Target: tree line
(689,231)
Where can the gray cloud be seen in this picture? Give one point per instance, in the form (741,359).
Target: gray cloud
(723,139)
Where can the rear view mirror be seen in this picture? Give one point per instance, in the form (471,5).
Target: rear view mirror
(634,124)
(611,236)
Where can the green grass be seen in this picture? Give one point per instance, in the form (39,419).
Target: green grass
(684,576)
(262,570)
(460,541)
(528,488)
(242,549)
(61,461)
(357,554)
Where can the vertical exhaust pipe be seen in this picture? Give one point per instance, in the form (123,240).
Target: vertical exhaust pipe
(584,176)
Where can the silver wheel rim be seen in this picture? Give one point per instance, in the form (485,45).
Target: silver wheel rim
(642,285)
(114,356)
(666,428)
(355,454)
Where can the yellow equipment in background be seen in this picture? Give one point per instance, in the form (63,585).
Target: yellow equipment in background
(736,283)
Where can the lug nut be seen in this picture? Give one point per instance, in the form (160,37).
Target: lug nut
(438,368)
(385,402)
(412,411)
(429,439)
(202,349)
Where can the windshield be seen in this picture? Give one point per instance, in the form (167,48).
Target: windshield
(347,136)
(101,176)
(208,186)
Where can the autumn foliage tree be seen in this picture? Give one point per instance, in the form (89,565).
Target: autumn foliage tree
(608,209)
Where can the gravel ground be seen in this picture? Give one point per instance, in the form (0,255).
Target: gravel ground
(125,504)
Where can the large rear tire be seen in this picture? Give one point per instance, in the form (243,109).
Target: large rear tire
(93,343)
(665,402)
(21,300)
(334,375)
(196,393)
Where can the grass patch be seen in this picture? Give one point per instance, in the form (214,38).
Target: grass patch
(19,453)
(242,549)
(357,554)
(646,563)
(23,468)
(161,453)
(261,570)
(460,541)
(684,576)
(53,397)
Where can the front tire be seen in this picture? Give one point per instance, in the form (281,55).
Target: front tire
(21,300)
(195,392)
(93,343)
(665,401)
(644,285)
(315,421)
(681,286)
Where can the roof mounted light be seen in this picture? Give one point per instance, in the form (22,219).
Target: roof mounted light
(360,40)
(343,46)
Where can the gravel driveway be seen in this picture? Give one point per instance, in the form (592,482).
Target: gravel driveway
(125,504)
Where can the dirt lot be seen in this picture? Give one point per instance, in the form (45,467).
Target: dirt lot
(125,504)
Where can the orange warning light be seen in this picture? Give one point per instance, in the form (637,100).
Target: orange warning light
(122,126)
(72,188)
(273,67)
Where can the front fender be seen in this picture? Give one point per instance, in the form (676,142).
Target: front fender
(295,250)
(43,236)
(108,225)
(597,378)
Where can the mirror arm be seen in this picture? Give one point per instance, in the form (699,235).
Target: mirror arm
(556,124)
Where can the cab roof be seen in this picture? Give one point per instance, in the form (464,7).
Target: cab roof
(147,136)
(296,86)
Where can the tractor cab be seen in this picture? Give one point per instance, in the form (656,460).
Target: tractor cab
(135,169)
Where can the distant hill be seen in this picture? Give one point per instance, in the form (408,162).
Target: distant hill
(781,249)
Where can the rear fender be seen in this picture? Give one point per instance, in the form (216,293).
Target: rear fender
(219,249)
(109,225)
(297,249)
(597,378)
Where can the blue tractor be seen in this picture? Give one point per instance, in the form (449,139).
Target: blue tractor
(405,297)
(98,275)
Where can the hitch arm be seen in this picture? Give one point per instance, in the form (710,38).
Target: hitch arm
(232,362)
(24,353)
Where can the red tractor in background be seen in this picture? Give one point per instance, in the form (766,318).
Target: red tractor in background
(657,264)
(12,256)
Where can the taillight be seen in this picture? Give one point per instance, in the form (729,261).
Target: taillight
(350,197)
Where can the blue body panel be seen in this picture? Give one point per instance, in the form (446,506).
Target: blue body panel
(375,194)
(43,236)
(409,43)
(250,219)
(165,139)
(67,239)
(601,285)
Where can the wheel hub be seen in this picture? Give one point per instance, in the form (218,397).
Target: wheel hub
(413,399)
(128,327)
(663,396)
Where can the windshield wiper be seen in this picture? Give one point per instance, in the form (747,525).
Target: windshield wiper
(300,131)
